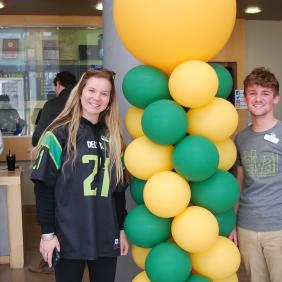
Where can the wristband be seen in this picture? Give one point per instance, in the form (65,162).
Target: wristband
(48,237)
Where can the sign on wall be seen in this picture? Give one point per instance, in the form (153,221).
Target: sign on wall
(240,103)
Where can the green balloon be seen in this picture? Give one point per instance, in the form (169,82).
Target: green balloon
(143,85)
(195,158)
(226,222)
(198,278)
(136,190)
(218,193)
(164,122)
(167,262)
(225,81)
(145,229)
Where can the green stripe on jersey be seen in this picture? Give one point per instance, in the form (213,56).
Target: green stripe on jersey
(50,141)
(105,138)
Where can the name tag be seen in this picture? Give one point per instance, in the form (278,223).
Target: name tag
(271,138)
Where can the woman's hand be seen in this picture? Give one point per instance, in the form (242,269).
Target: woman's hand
(47,247)
(124,245)
(233,237)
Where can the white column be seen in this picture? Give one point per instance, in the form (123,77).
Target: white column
(118,59)
(116,56)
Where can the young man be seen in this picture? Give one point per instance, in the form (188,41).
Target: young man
(259,172)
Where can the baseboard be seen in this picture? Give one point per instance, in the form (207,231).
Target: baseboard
(4,259)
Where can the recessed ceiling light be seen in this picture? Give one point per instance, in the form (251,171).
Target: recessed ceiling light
(2,5)
(253,10)
(99,6)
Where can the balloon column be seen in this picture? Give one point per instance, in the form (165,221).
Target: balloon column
(181,123)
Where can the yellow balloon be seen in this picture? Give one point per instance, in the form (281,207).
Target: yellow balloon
(217,120)
(232,278)
(193,84)
(165,33)
(195,230)
(133,122)
(139,255)
(218,262)
(227,153)
(166,194)
(143,158)
(141,277)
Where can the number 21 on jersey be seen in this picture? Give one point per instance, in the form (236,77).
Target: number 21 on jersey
(88,191)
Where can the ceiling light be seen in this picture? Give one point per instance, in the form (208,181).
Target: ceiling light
(253,10)
(99,6)
(1,5)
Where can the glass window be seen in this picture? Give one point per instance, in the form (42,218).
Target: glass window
(30,57)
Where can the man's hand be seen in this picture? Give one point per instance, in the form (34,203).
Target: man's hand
(233,237)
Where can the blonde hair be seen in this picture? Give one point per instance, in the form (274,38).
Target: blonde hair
(71,114)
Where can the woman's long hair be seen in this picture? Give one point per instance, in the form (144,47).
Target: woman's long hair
(72,112)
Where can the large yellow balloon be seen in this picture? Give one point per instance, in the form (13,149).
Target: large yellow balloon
(166,194)
(195,230)
(133,122)
(193,84)
(218,262)
(143,158)
(165,33)
(217,120)
(139,255)
(232,278)
(227,153)
(141,277)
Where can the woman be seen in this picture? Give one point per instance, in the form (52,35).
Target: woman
(80,183)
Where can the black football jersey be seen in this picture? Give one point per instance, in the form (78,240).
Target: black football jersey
(85,215)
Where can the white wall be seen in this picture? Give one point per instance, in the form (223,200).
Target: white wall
(264,48)
(117,58)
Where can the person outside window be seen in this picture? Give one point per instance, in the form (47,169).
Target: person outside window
(64,82)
